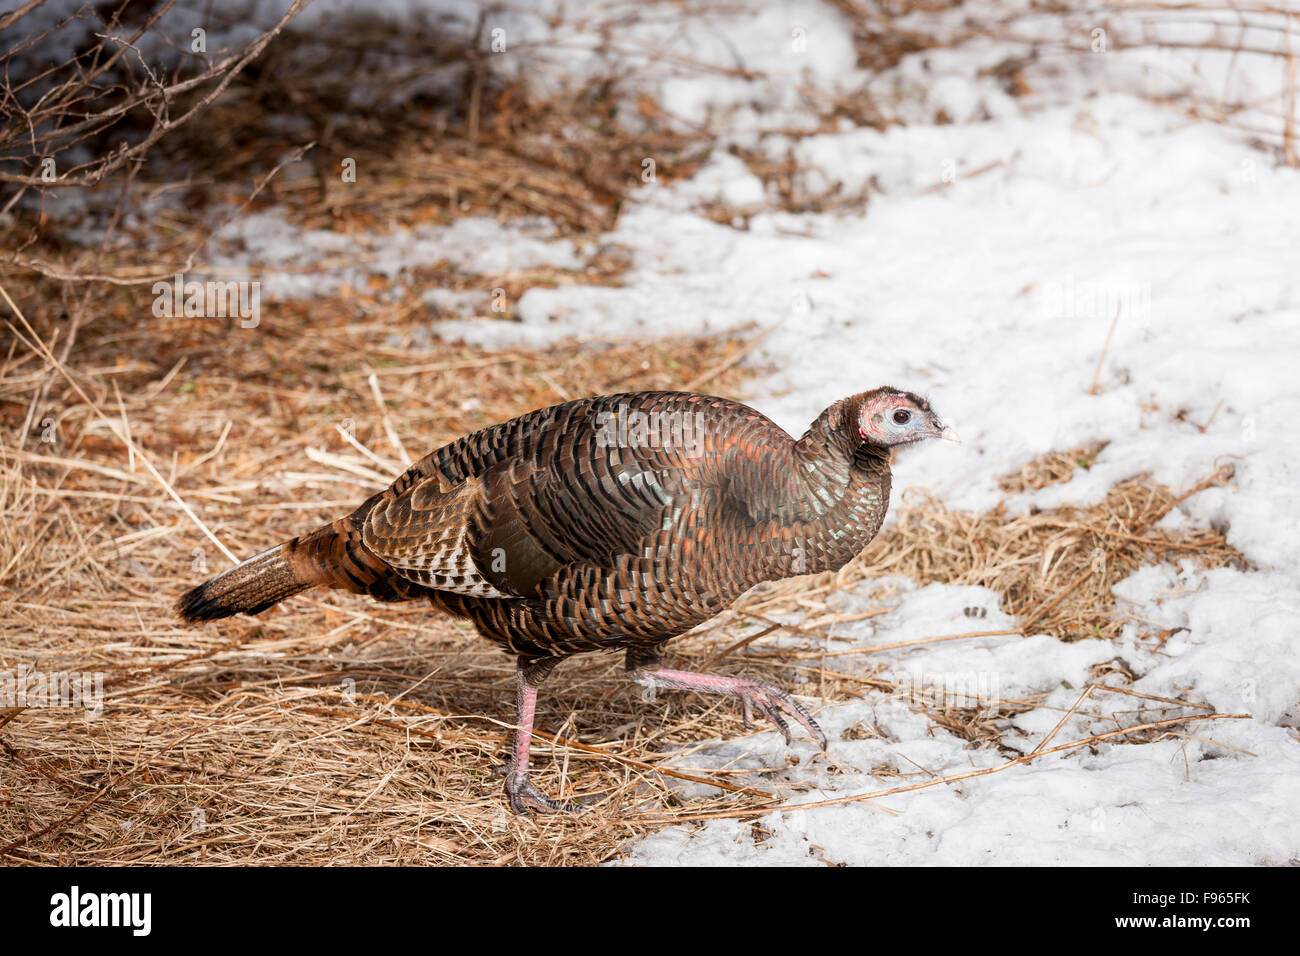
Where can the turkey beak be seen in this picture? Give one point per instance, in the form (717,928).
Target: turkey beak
(949,434)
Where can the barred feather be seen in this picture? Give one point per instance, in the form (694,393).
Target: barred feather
(250,587)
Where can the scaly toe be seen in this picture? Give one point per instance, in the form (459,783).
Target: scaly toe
(773,701)
(525,797)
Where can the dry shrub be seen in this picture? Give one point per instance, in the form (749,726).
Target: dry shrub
(436,129)
(1046,40)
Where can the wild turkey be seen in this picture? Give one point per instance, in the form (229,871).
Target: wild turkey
(619,521)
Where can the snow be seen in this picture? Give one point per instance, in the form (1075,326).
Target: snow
(994,252)
(291,256)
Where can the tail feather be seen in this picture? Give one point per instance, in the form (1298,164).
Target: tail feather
(250,587)
(332,557)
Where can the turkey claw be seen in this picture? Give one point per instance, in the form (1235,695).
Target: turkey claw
(773,702)
(525,797)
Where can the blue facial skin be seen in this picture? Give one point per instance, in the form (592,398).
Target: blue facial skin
(879,420)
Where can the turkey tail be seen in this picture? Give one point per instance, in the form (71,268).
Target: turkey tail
(332,557)
(250,587)
(266,579)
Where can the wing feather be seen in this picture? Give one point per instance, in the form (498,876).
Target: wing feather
(424,535)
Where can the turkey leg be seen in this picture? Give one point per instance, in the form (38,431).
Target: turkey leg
(523,794)
(643,667)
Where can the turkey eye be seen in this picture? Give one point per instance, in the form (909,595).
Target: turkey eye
(901,416)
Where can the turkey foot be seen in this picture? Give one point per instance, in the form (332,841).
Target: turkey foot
(524,796)
(772,702)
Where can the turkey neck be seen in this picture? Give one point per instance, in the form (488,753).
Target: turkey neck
(836,495)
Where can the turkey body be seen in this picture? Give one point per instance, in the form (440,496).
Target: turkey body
(600,523)
(614,522)
(635,530)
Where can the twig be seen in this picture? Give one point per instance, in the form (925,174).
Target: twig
(743,642)
(876,648)
(350,465)
(1087,692)
(230,68)
(9,19)
(1164,700)
(393,438)
(381,462)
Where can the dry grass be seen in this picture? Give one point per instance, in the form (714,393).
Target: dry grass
(1054,568)
(1052,468)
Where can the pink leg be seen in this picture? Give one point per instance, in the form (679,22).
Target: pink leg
(520,788)
(752,693)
